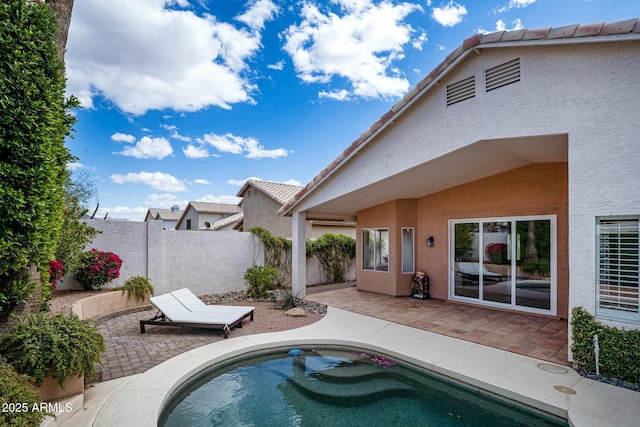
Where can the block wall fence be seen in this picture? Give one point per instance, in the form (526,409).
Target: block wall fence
(207,262)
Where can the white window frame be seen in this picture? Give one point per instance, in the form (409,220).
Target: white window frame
(375,231)
(610,312)
(413,249)
(553,292)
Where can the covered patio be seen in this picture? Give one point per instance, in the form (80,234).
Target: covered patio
(538,337)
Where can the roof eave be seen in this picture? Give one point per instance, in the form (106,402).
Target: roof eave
(470,46)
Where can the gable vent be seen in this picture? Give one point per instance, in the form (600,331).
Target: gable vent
(462,90)
(502,75)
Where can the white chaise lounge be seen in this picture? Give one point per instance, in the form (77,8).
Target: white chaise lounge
(172,312)
(195,304)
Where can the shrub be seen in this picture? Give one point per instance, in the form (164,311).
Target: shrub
(137,287)
(260,280)
(277,253)
(97,268)
(619,348)
(335,252)
(53,346)
(17,389)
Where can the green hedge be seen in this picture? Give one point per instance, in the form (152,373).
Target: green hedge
(34,121)
(18,397)
(619,348)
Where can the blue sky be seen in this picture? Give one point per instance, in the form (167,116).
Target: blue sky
(186,99)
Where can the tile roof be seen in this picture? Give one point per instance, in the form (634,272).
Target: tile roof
(279,192)
(231,219)
(213,208)
(168,214)
(596,32)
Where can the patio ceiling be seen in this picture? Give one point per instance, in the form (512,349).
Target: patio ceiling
(475,161)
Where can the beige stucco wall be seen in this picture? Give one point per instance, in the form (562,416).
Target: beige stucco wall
(261,210)
(537,189)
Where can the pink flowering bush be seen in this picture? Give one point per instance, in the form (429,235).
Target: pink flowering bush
(56,272)
(97,268)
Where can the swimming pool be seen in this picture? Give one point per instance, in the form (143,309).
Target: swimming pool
(334,387)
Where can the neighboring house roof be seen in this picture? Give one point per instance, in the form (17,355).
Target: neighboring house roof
(164,214)
(279,192)
(215,208)
(223,222)
(598,32)
(168,215)
(225,209)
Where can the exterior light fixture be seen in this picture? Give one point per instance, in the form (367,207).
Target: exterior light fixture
(430,241)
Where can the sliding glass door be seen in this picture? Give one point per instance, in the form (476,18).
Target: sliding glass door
(505,262)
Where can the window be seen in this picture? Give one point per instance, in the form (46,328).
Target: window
(375,249)
(618,268)
(407,250)
(188,224)
(505,262)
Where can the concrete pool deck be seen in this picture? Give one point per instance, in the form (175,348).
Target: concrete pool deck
(137,400)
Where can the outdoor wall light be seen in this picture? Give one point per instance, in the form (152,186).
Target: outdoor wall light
(430,241)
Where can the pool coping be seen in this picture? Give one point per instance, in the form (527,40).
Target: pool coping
(139,401)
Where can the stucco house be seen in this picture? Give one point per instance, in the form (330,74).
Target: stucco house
(261,201)
(510,174)
(202,215)
(169,217)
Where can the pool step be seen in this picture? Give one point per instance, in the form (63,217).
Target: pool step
(350,383)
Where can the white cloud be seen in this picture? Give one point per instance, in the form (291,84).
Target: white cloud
(359,43)
(123,137)
(337,95)
(174,134)
(502,26)
(517,25)
(514,4)
(122,212)
(248,146)
(279,66)
(161,199)
(202,181)
(193,152)
(240,182)
(149,148)
(449,14)
(419,41)
(258,13)
(76,166)
(156,180)
(141,55)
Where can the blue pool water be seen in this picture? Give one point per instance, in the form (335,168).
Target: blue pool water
(328,387)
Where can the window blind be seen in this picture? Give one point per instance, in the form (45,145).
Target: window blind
(618,265)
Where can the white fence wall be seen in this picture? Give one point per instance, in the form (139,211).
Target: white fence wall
(207,262)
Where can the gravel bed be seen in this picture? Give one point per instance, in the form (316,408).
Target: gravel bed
(613,381)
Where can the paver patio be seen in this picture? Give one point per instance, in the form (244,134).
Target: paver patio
(129,352)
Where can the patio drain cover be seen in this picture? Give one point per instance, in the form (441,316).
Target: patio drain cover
(563,389)
(552,369)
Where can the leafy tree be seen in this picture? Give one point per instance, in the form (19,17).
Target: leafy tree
(75,234)
(34,120)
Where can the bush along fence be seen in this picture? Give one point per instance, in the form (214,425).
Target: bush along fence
(618,348)
(336,253)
